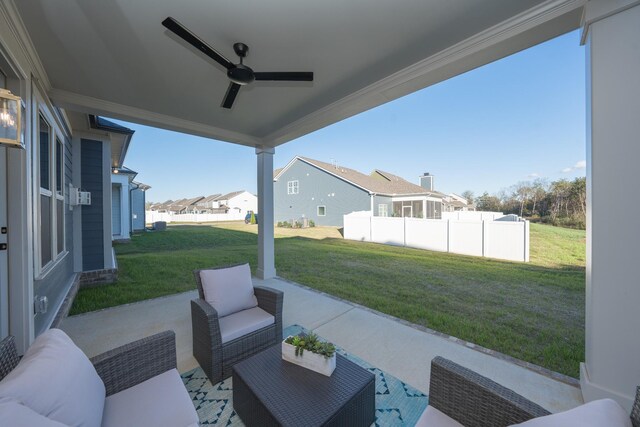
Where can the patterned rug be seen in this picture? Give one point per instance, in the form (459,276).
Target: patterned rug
(397,403)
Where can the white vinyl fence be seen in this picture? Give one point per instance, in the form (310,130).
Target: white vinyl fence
(472,215)
(153,216)
(501,239)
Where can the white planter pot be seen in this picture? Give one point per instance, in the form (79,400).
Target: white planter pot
(309,360)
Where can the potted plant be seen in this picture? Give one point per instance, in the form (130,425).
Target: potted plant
(309,352)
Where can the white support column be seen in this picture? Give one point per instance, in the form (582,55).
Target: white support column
(611,368)
(266,253)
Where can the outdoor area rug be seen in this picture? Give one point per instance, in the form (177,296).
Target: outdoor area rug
(397,403)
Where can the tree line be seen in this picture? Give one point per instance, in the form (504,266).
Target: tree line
(562,202)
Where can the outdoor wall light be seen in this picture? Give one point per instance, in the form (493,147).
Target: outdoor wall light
(10,119)
(115,170)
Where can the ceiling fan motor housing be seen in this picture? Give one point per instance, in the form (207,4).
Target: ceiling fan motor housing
(241,74)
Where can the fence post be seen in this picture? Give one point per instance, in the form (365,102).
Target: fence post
(449,235)
(484,238)
(404,231)
(526,241)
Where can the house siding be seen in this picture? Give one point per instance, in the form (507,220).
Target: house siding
(316,188)
(56,283)
(137,209)
(93,214)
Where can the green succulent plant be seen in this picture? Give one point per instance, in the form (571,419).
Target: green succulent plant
(312,343)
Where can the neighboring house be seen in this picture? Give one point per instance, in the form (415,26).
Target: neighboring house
(138,202)
(121,186)
(324,192)
(234,202)
(238,201)
(206,204)
(454,202)
(188,206)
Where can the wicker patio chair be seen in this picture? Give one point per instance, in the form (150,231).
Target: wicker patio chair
(120,368)
(216,358)
(474,400)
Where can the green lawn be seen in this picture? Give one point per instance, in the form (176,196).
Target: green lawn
(533,311)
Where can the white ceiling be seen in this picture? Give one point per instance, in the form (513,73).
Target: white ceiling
(114,57)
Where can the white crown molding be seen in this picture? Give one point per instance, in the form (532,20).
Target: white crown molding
(380,92)
(596,10)
(87,104)
(19,30)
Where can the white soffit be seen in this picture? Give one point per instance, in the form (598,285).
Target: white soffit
(114,58)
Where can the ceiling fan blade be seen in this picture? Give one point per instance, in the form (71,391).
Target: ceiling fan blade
(185,34)
(292,76)
(232,92)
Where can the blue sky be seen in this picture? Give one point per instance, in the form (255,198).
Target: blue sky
(514,120)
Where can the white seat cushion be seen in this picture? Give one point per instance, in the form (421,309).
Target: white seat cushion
(228,290)
(57,380)
(16,415)
(244,322)
(431,417)
(604,412)
(162,401)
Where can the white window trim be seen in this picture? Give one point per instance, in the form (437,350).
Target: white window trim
(318,210)
(61,196)
(293,187)
(381,210)
(43,110)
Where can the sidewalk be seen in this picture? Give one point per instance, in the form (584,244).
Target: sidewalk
(393,346)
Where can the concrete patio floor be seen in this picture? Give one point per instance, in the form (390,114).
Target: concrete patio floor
(391,345)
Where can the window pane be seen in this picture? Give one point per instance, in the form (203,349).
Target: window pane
(59,166)
(397,208)
(321,210)
(417,208)
(45,131)
(438,210)
(45,229)
(60,224)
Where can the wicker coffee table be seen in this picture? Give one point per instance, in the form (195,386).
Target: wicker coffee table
(267,391)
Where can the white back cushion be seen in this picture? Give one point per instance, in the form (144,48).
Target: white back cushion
(604,412)
(229,290)
(56,380)
(16,415)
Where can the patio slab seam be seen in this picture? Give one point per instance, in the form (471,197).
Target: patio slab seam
(132,303)
(493,353)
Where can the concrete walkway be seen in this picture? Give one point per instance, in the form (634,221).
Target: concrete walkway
(393,346)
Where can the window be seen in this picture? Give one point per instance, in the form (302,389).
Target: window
(322,210)
(408,208)
(383,209)
(46,205)
(51,183)
(292,187)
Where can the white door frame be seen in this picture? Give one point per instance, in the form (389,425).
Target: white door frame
(4,264)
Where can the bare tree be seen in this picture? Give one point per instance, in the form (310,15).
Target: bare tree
(468,194)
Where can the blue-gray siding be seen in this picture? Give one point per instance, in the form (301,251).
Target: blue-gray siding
(92,215)
(137,210)
(316,188)
(55,285)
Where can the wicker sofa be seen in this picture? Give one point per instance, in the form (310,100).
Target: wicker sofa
(464,397)
(216,355)
(55,384)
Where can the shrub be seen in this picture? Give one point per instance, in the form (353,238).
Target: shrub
(311,223)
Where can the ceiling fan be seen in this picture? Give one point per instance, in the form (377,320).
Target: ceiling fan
(239,74)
